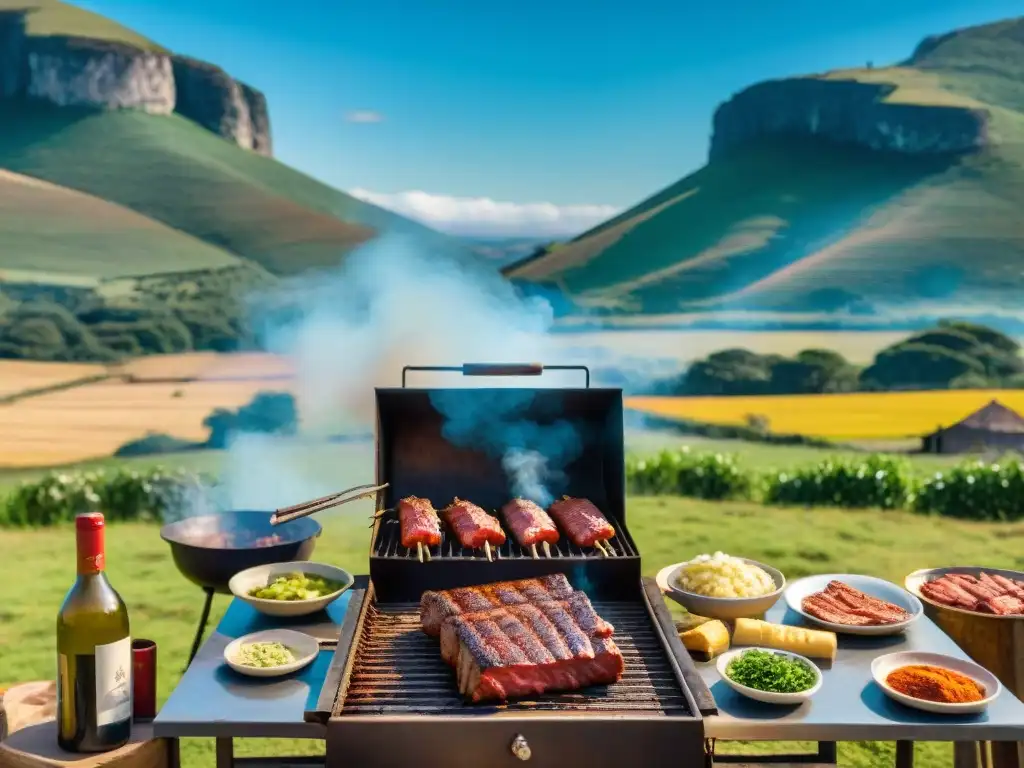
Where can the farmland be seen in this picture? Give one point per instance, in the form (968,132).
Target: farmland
(17,376)
(841,417)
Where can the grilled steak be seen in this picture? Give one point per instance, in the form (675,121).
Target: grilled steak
(473,527)
(528,650)
(435,607)
(529,523)
(840,603)
(988,593)
(582,522)
(419,521)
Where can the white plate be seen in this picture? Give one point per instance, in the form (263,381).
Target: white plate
(303,647)
(869,585)
(721,607)
(261,575)
(914,581)
(767,696)
(883,665)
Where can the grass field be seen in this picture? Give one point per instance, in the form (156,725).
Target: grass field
(165,607)
(51,17)
(25,375)
(853,416)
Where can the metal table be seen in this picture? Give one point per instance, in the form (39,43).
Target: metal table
(212,701)
(850,707)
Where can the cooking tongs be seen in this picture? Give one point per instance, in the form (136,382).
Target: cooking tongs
(294,512)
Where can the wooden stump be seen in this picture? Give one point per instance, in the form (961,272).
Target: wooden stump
(31,738)
(997,645)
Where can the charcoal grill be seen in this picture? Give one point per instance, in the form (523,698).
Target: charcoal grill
(389,699)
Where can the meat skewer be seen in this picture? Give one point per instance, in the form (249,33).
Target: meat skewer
(583,523)
(420,525)
(530,525)
(473,527)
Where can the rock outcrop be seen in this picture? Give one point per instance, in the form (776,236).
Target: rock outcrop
(844,111)
(85,72)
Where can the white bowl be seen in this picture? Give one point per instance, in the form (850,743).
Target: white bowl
(883,665)
(914,581)
(721,607)
(244,581)
(768,696)
(869,585)
(302,646)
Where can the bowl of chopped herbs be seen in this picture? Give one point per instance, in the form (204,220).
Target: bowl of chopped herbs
(771,676)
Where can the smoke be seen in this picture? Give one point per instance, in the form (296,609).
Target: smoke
(352,329)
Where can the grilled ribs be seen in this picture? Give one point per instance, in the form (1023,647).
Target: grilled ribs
(419,521)
(840,603)
(582,522)
(529,649)
(987,593)
(529,523)
(435,607)
(472,525)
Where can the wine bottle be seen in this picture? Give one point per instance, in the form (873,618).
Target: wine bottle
(94,653)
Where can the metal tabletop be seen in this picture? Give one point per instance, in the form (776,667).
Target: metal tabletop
(850,706)
(212,700)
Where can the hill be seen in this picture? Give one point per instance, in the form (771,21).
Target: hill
(864,193)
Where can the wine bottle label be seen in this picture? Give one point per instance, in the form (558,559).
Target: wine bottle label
(114,682)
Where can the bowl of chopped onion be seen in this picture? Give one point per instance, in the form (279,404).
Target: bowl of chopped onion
(720,586)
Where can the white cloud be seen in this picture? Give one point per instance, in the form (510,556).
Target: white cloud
(364,116)
(481,216)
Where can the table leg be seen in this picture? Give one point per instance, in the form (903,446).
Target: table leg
(965,754)
(828,753)
(225,753)
(904,754)
(173,753)
(1007,754)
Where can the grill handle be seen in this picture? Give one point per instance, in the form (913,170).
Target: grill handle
(496,369)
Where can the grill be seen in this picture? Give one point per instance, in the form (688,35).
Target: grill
(390,700)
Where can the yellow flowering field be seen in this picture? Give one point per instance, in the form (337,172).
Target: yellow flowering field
(853,416)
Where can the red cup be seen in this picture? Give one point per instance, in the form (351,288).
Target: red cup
(143,680)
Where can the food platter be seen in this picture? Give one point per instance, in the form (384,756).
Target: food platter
(884,665)
(303,647)
(244,582)
(917,579)
(721,607)
(880,589)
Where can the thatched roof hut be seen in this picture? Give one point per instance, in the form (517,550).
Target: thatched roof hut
(994,426)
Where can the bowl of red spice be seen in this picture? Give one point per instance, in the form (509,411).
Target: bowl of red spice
(934,682)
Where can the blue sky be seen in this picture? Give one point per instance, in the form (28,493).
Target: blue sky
(578,107)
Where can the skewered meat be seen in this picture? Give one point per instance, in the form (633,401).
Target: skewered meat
(840,603)
(435,607)
(987,593)
(473,527)
(529,523)
(420,523)
(582,522)
(529,649)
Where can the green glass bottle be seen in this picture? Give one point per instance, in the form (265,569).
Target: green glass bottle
(94,654)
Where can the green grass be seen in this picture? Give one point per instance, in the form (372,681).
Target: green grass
(808,226)
(50,17)
(176,173)
(50,230)
(164,606)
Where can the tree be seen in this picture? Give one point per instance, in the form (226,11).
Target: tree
(919,366)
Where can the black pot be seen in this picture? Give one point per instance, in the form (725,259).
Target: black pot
(211,566)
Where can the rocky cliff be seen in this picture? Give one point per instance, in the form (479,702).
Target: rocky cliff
(845,111)
(80,71)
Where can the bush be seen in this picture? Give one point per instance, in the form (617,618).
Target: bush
(976,490)
(713,476)
(156,443)
(877,481)
(155,494)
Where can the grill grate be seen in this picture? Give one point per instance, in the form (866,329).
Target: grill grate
(389,544)
(398,671)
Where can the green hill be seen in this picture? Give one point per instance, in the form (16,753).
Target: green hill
(868,192)
(45,18)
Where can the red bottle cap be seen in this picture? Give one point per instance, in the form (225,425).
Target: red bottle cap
(90,521)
